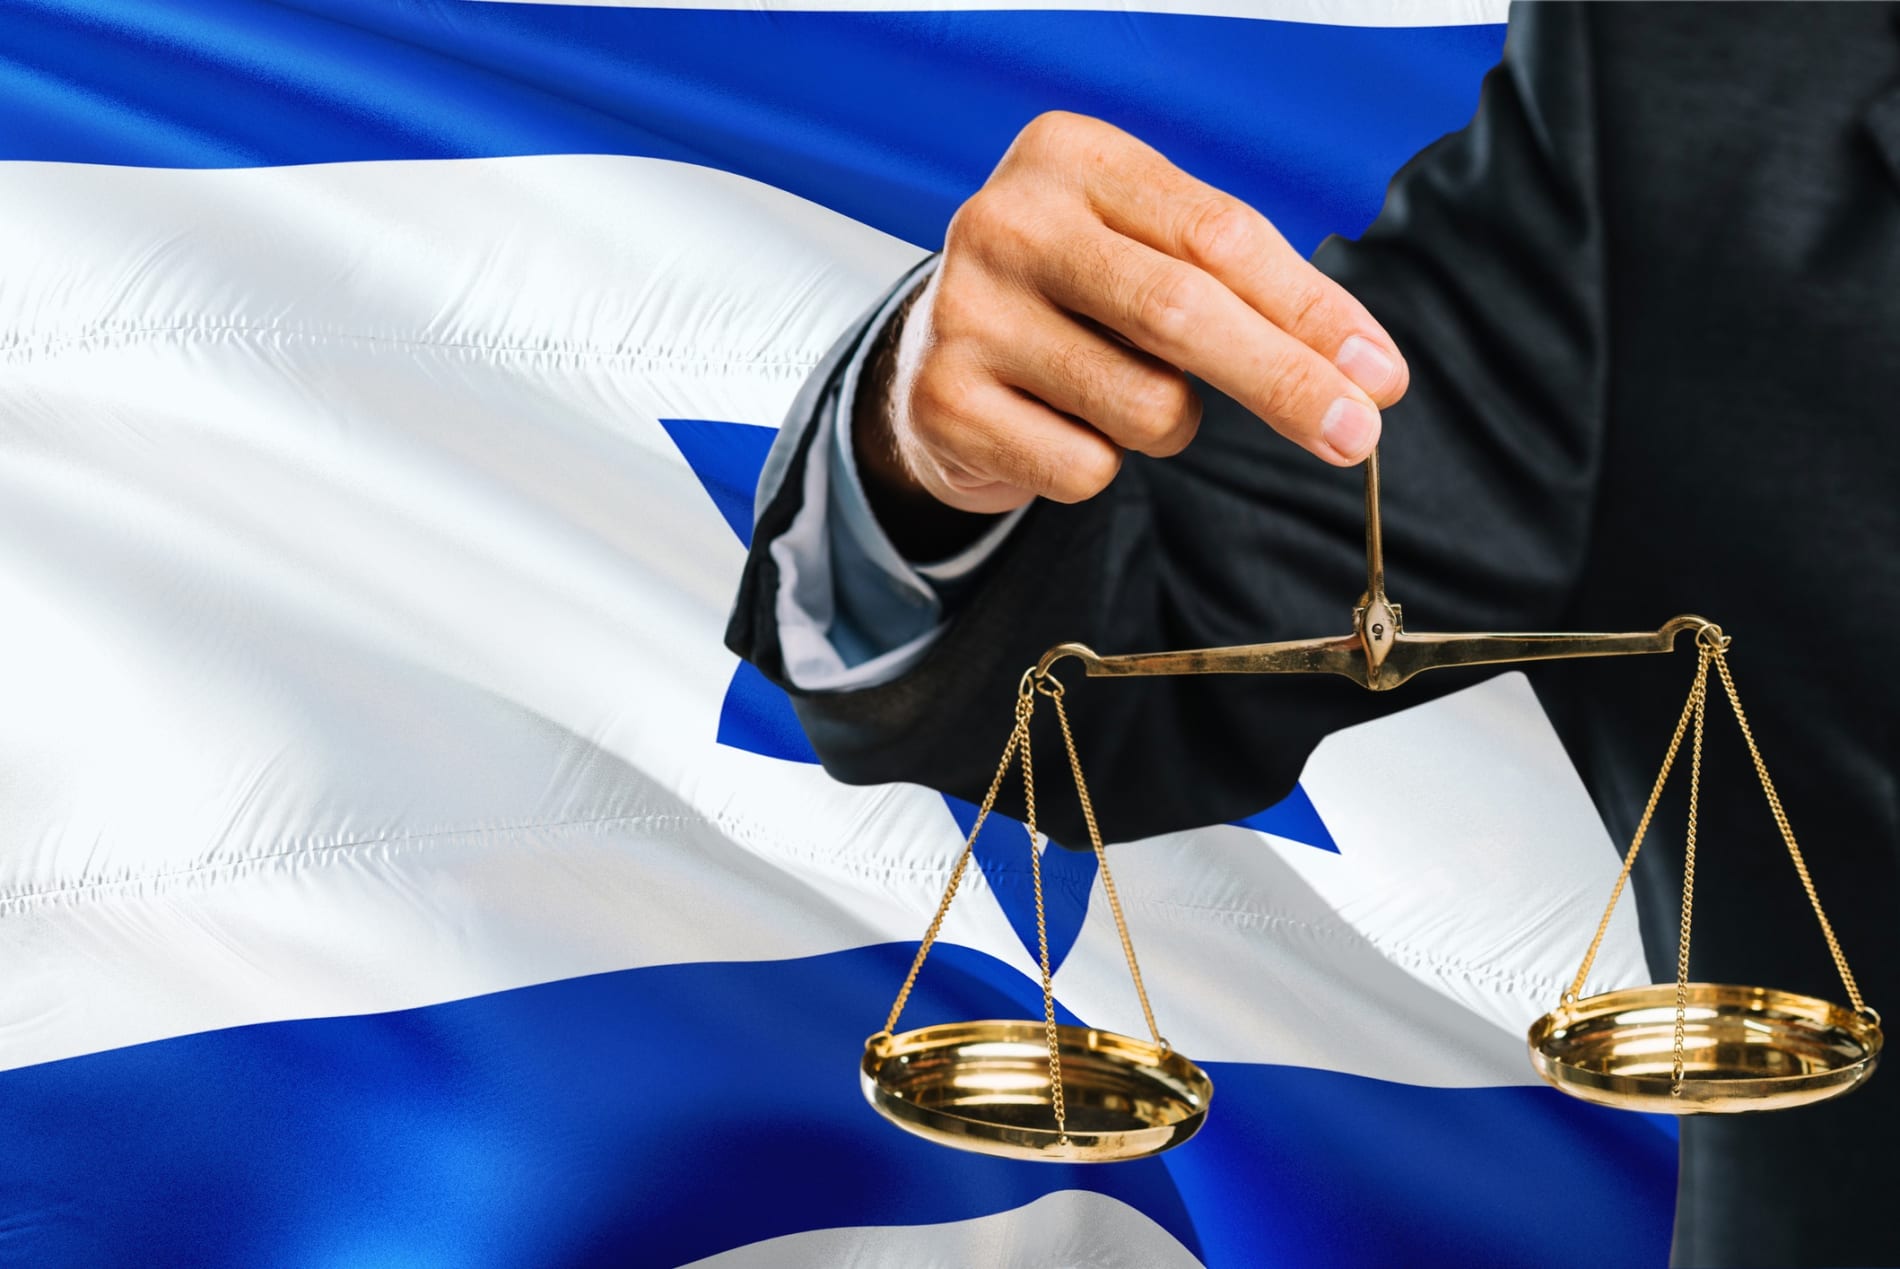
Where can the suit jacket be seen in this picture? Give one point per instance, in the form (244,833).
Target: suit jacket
(1651,302)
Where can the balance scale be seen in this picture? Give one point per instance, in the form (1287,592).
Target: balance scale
(1035,1089)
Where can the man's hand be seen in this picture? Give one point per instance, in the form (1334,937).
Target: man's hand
(1076,288)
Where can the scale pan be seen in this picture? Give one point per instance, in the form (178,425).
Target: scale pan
(1743,1049)
(984,1086)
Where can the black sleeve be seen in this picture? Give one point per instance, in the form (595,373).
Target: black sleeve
(1485,265)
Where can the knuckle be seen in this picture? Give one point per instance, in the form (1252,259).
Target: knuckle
(1079,477)
(1306,302)
(1165,411)
(1052,131)
(1166,302)
(1186,428)
(1289,386)
(998,228)
(1159,396)
(941,401)
(1062,148)
(956,310)
(976,219)
(1078,369)
(1220,231)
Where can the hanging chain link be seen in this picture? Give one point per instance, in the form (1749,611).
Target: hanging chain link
(1699,698)
(1042,935)
(1101,863)
(1712,648)
(1636,844)
(1018,739)
(1018,748)
(1787,835)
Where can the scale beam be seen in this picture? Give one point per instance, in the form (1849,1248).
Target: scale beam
(1404,655)
(1378,654)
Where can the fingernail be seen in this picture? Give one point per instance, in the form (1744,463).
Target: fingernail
(1367,364)
(1351,427)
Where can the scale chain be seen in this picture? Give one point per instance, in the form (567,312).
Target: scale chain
(1636,845)
(1101,863)
(1018,738)
(1018,748)
(1042,934)
(1699,698)
(1787,835)
(1712,646)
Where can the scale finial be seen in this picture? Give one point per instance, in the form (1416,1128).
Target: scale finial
(1376,620)
(1375,536)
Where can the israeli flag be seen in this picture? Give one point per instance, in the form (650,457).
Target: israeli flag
(395,869)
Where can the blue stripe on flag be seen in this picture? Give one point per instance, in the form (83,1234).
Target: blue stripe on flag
(593,1121)
(890,118)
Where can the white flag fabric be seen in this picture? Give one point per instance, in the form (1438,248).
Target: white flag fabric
(396,869)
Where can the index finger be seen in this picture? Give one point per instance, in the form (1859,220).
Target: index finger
(1140,194)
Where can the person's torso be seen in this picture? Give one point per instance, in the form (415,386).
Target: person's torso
(1750,168)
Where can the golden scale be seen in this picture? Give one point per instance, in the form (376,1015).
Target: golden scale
(1033,1089)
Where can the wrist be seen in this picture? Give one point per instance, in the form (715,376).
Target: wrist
(917,524)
